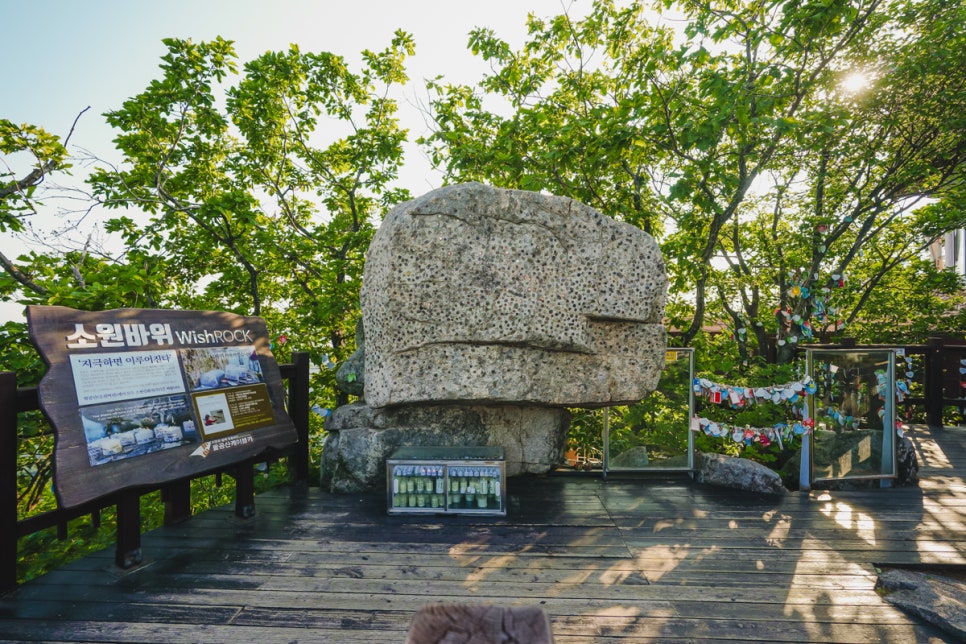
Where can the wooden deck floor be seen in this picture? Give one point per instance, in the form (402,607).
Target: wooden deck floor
(609,561)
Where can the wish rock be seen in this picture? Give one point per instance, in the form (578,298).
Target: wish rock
(486,313)
(481,296)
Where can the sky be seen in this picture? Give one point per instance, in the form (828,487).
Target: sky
(65,55)
(61,56)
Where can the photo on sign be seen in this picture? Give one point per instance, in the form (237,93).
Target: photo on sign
(214,414)
(126,429)
(220,367)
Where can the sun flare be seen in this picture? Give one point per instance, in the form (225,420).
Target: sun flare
(856,82)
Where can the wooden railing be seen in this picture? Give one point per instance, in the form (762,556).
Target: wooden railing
(175,495)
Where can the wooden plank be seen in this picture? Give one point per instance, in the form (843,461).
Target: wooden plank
(633,621)
(107,631)
(415,566)
(127,547)
(351,593)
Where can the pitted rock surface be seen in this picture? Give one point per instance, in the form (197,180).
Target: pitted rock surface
(479,295)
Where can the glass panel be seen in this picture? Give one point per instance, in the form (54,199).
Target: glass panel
(854,414)
(585,447)
(654,434)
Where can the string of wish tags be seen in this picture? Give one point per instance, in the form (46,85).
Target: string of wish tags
(795,394)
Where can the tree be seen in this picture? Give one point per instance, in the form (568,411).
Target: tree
(732,144)
(258,197)
(85,277)
(847,211)
(46,155)
(261,201)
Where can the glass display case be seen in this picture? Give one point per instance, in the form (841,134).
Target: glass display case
(854,414)
(446,480)
(654,435)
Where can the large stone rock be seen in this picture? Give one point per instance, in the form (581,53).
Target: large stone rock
(485,313)
(737,473)
(362,437)
(480,295)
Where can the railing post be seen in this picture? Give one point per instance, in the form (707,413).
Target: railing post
(127,551)
(177,501)
(244,490)
(8,481)
(934,382)
(298,411)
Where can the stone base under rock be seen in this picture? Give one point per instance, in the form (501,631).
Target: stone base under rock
(361,438)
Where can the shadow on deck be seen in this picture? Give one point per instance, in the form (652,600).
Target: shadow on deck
(627,560)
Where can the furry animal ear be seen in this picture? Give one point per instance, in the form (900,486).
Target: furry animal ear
(479,624)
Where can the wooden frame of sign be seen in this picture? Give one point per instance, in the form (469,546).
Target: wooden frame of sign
(146,396)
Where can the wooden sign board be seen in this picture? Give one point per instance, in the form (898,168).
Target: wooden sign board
(146,396)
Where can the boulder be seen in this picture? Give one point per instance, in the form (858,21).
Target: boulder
(479,623)
(737,473)
(487,313)
(361,438)
(635,457)
(939,600)
(473,294)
